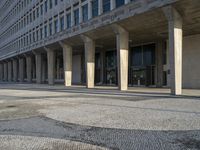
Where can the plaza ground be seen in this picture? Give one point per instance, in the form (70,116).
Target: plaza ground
(55,117)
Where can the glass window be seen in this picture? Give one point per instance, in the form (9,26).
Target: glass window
(46,6)
(41,33)
(41,9)
(68,20)
(137,56)
(106,5)
(50,28)
(62,23)
(56,25)
(50,4)
(149,54)
(45,31)
(94,8)
(76,17)
(56,2)
(85,12)
(37,12)
(119,3)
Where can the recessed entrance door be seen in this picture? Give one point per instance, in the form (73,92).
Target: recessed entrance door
(111,68)
(142,70)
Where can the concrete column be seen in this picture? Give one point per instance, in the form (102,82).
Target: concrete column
(51,65)
(1,72)
(67,60)
(44,70)
(112,4)
(159,63)
(9,71)
(15,70)
(21,69)
(175,49)
(38,64)
(100,9)
(5,71)
(29,69)
(122,41)
(89,45)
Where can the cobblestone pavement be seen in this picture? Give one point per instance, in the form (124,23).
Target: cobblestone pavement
(53,117)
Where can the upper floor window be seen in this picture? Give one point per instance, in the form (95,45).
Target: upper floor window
(45,31)
(119,3)
(45,6)
(68,19)
(106,5)
(56,2)
(56,25)
(50,4)
(94,8)
(41,9)
(85,12)
(50,28)
(76,17)
(62,23)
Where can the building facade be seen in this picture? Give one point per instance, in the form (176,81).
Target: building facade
(101,42)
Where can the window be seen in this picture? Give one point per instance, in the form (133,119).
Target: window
(85,12)
(41,33)
(68,20)
(94,8)
(56,2)
(45,31)
(56,25)
(50,4)
(106,5)
(119,3)
(62,23)
(76,17)
(50,28)
(46,6)
(37,12)
(41,9)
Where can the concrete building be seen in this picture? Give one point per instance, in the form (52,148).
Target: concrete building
(101,42)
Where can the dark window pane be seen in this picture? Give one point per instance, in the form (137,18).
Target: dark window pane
(106,5)
(119,3)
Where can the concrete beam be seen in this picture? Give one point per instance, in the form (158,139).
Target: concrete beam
(175,48)
(67,60)
(89,45)
(122,40)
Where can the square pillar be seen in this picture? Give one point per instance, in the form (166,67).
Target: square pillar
(29,68)
(51,65)
(89,45)
(21,69)
(67,60)
(159,63)
(175,49)
(122,40)
(5,67)
(15,70)
(38,64)
(112,4)
(9,71)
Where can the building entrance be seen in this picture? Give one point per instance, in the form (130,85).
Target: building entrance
(142,65)
(111,68)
